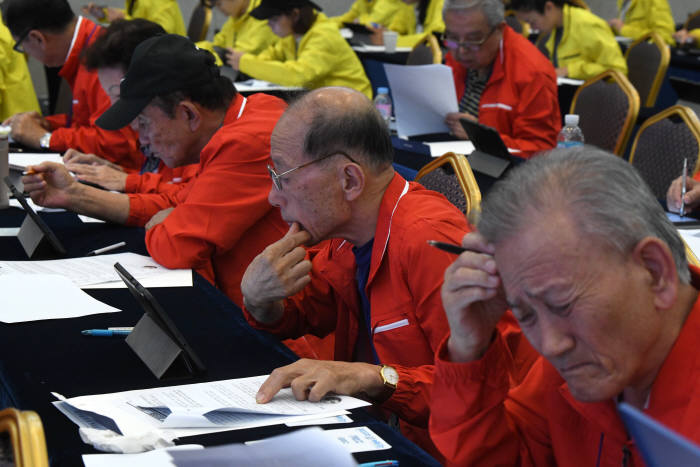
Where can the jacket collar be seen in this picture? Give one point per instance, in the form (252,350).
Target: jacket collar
(85,32)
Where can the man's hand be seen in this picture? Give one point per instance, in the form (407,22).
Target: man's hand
(76,157)
(102,175)
(50,184)
(456,128)
(616,24)
(692,195)
(94,10)
(682,36)
(473,298)
(280,271)
(233,58)
(377,36)
(28,128)
(114,14)
(562,72)
(158,217)
(313,379)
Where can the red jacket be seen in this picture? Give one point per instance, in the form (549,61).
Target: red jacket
(477,421)
(89,102)
(165,179)
(520,99)
(222,218)
(404,283)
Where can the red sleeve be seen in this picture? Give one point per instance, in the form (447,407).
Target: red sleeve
(165,181)
(57,121)
(223,202)
(481,418)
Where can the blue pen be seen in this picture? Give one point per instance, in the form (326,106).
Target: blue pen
(379,464)
(106,332)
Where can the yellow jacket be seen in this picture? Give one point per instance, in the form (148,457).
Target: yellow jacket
(588,46)
(370,11)
(644,16)
(323,58)
(16,89)
(243,33)
(164,12)
(696,34)
(404,22)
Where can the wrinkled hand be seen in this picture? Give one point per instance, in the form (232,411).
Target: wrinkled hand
(233,58)
(473,298)
(94,10)
(616,24)
(280,271)
(313,379)
(102,175)
(692,195)
(76,157)
(50,185)
(377,36)
(158,217)
(28,128)
(114,14)
(456,128)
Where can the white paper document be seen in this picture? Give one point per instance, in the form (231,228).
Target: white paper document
(359,439)
(370,48)
(20,160)
(198,408)
(155,458)
(258,85)
(439,148)
(569,81)
(15,204)
(9,231)
(419,113)
(322,421)
(90,220)
(88,270)
(34,297)
(692,239)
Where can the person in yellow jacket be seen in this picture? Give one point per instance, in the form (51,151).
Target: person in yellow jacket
(581,45)
(413,20)
(164,12)
(370,12)
(638,17)
(16,89)
(683,36)
(241,31)
(311,53)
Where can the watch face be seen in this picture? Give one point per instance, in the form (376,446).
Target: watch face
(390,375)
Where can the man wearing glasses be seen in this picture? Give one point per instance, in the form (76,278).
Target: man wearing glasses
(375,282)
(502,80)
(49,31)
(220,219)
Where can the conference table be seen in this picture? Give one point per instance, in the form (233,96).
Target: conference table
(41,357)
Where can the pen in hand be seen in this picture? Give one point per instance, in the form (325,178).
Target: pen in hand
(99,251)
(448,247)
(684,186)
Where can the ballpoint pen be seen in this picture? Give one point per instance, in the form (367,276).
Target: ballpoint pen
(386,463)
(105,332)
(683,186)
(448,247)
(99,251)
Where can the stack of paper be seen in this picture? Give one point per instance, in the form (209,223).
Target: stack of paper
(21,160)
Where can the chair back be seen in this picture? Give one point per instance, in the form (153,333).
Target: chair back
(647,61)
(22,441)
(661,144)
(693,21)
(608,106)
(451,175)
(425,52)
(199,21)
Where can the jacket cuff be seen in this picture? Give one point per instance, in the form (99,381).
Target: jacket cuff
(491,369)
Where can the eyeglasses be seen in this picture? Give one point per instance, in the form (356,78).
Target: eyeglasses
(18,44)
(277,178)
(452,43)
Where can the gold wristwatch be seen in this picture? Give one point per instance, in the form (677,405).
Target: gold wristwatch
(390,377)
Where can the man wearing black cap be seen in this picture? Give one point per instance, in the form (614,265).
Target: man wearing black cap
(187,113)
(311,54)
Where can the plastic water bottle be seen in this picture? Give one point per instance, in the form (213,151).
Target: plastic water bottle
(571,135)
(382,102)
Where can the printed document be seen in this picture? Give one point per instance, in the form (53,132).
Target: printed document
(20,160)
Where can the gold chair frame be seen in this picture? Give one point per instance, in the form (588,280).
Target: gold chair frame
(632,98)
(433,44)
(27,436)
(465,177)
(688,117)
(663,65)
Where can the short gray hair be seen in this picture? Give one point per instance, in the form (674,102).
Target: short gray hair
(492,9)
(606,196)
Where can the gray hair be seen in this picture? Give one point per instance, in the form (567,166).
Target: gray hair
(492,9)
(607,197)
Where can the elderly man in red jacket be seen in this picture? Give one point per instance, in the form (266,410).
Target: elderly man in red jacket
(502,80)
(577,246)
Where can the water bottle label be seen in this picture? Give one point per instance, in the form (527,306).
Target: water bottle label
(384,109)
(569,144)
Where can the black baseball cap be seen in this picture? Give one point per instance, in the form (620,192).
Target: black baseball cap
(269,8)
(160,65)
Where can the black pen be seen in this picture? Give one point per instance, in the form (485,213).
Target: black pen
(448,247)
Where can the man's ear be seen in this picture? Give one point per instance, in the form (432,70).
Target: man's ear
(657,259)
(38,37)
(191,113)
(352,180)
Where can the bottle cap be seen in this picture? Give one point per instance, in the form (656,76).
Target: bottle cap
(382,90)
(571,120)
